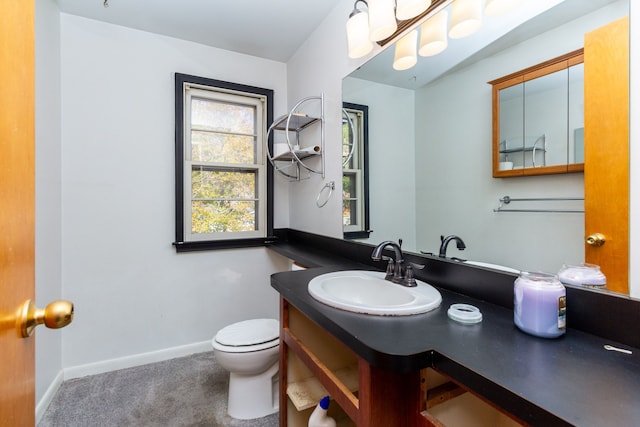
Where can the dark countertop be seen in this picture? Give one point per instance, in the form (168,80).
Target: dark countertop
(570,380)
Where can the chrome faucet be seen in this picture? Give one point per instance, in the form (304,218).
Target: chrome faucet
(396,271)
(445,242)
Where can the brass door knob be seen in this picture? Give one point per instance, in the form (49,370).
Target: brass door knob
(595,239)
(56,315)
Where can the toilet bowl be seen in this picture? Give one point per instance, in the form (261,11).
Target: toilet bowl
(250,350)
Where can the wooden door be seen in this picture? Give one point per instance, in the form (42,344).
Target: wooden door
(606,171)
(17,208)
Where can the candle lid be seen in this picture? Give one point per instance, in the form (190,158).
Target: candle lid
(464,313)
(535,278)
(583,274)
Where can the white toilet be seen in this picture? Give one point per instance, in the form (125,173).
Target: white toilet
(250,350)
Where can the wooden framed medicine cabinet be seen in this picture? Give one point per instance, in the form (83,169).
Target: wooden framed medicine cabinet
(538,119)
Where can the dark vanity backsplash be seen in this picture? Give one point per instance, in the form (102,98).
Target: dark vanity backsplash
(599,313)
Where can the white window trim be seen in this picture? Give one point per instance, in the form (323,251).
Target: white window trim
(194,90)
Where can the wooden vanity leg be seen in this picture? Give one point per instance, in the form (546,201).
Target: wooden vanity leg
(390,398)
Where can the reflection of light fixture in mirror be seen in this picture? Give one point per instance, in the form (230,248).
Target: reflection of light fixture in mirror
(407,9)
(358,41)
(466,18)
(433,34)
(500,7)
(382,19)
(405,55)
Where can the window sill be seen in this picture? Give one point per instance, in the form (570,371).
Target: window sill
(210,245)
(364,234)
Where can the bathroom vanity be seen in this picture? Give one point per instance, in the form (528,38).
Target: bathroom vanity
(384,371)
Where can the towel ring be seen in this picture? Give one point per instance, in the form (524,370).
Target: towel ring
(331,185)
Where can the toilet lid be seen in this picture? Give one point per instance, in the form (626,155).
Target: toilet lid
(248,332)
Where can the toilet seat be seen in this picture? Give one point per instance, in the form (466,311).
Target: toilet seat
(247,336)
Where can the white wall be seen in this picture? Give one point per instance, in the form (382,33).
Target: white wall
(391,149)
(132,292)
(48,189)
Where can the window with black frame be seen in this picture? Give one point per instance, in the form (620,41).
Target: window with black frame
(355,179)
(223,180)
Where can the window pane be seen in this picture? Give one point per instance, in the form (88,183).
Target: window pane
(349,212)
(223,116)
(209,183)
(349,200)
(348,144)
(349,186)
(222,148)
(223,216)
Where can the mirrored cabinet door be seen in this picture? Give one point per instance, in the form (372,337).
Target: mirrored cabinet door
(545,121)
(538,119)
(511,150)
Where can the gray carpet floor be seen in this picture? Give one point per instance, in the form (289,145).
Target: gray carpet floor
(187,391)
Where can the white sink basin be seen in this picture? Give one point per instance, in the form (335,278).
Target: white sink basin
(367,292)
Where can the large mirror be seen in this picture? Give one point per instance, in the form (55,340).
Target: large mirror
(430,156)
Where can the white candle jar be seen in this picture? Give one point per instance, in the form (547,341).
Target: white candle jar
(540,304)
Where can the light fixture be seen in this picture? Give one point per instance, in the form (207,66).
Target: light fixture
(358,42)
(466,18)
(382,19)
(433,34)
(405,55)
(500,7)
(407,9)
(379,22)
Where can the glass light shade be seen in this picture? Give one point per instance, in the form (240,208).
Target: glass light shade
(466,18)
(358,41)
(382,19)
(500,7)
(407,9)
(433,34)
(405,55)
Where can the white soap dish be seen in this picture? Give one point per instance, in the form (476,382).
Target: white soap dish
(465,313)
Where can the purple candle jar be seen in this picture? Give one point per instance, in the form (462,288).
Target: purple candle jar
(540,304)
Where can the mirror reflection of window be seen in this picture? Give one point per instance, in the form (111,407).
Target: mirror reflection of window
(355,194)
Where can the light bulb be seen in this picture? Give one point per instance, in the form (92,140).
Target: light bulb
(466,18)
(382,19)
(433,35)
(358,41)
(405,55)
(407,9)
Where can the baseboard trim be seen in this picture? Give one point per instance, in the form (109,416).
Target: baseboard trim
(46,399)
(135,360)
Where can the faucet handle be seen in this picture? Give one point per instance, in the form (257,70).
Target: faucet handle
(390,267)
(409,278)
(416,266)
